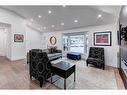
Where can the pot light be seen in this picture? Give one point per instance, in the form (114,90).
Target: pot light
(75,20)
(124,12)
(99,16)
(31,20)
(49,11)
(64,6)
(53,26)
(39,16)
(44,28)
(62,23)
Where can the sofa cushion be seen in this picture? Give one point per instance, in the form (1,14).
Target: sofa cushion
(54,56)
(45,50)
(52,49)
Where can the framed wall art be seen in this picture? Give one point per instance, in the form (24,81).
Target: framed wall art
(102,38)
(18,38)
(53,40)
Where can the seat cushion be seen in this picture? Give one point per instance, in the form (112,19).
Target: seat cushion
(54,54)
(95,61)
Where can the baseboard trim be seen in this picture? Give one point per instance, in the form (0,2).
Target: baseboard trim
(123,76)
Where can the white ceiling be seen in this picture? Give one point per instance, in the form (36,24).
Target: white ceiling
(86,16)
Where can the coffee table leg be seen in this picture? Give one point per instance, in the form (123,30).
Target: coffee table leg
(51,78)
(74,76)
(64,83)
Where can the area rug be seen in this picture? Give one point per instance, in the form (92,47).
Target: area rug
(86,77)
(15,75)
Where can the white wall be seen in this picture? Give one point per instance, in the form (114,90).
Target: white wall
(58,35)
(33,39)
(110,51)
(8,42)
(17,50)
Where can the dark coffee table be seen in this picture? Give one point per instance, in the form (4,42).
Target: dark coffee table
(64,70)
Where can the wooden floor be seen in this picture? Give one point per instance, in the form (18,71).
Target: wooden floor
(15,75)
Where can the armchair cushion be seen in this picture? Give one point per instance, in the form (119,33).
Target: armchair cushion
(95,61)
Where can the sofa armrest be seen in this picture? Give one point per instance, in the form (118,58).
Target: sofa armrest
(58,51)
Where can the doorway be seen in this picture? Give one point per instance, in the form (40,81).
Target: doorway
(3,41)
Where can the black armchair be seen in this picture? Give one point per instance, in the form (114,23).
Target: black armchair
(96,57)
(40,66)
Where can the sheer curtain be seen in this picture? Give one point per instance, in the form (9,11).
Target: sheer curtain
(75,42)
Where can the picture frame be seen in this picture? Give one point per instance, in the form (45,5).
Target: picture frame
(18,38)
(103,38)
(53,40)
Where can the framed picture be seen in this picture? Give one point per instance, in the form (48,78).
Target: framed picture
(18,38)
(102,38)
(53,40)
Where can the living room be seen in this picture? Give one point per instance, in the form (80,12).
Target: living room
(27,28)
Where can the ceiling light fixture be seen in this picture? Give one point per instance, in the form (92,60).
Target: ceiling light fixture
(44,28)
(31,20)
(64,6)
(99,16)
(62,23)
(53,26)
(49,11)
(75,20)
(39,16)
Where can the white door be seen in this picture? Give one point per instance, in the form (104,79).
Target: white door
(3,42)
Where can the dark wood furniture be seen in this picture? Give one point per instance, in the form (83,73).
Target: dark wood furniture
(64,70)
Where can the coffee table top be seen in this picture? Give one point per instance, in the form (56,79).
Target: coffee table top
(63,65)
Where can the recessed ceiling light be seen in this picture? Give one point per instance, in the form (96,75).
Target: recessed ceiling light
(64,6)
(62,23)
(49,11)
(99,16)
(53,26)
(44,28)
(75,20)
(31,20)
(124,12)
(39,16)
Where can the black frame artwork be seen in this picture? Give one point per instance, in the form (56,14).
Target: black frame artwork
(18,37)
(104,36)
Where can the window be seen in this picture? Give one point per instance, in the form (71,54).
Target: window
(75,42)
(65,43)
